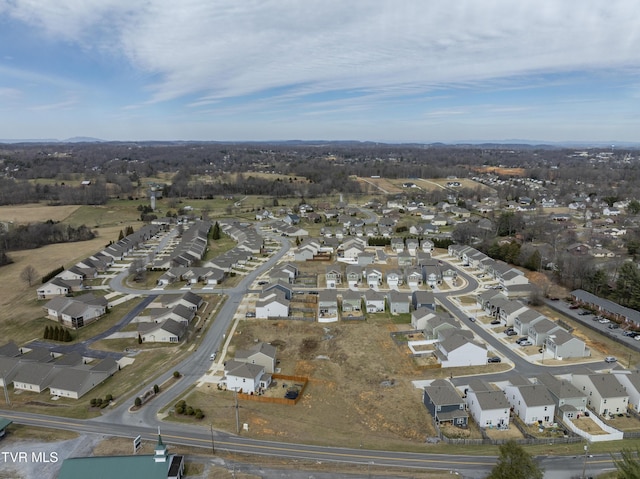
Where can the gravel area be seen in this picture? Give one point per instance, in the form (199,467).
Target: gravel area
(21,459)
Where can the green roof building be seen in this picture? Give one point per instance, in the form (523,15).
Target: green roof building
(160,465)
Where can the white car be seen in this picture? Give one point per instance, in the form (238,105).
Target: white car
(604,321)
(610,359)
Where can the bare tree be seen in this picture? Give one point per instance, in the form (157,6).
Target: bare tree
(29,275)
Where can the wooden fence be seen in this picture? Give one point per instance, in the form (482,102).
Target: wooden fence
(303,380)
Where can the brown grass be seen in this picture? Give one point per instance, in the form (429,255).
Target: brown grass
(345,401)
(21,214)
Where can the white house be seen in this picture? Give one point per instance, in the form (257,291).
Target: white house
(455,349)
(531,402)
(487,406)
(272,304)
(246,378)
(605,394)
(630,380)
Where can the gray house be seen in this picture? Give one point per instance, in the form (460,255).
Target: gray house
(570,401)
(398,302)
(445,404)
(564,345)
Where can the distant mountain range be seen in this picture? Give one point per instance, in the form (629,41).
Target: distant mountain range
(514,143)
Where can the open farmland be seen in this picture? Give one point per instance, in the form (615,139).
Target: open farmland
(22,214)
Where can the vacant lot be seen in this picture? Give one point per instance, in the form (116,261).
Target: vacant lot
(359,389)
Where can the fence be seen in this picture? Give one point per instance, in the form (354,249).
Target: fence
(299,380)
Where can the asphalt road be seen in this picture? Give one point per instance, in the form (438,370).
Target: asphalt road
(121,422)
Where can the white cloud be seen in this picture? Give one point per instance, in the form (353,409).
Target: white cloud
(213,50)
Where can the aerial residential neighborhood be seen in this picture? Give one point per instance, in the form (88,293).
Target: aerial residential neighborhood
(485,330)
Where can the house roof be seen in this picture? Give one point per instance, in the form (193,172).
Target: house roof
(246,370)
(560,388)
(10,350)
(443,393)
(491,400)
(607,385)
(535,395)
(34,373)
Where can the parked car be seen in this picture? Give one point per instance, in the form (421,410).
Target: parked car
(613,326)
(528,342)
(250,314)
(472,319)
(214,356)
(510,332)
(496,321)
(604,321)
(522,339)
(574,306)
(610,359)
(494,359)
(584,313)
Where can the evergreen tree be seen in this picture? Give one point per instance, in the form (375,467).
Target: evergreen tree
(56,334)
(47,332)
(128,231)
(121,235)
(67,336)
(515,463)
(533,261)
(215,234)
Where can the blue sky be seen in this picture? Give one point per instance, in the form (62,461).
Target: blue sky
(426,70)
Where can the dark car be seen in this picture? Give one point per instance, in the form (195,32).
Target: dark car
(584,313)
(472,319)
(494,359)
(613,326)
(510,332)
(496,321)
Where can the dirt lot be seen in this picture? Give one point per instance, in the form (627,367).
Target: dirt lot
(359,387)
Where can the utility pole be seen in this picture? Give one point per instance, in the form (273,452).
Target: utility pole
(6,392)
(584,466)
(237,412)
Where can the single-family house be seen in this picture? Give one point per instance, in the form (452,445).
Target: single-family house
(78,311)
(394,278)
(562,345)
(327,306)
(420,316)
(414,277)
(435,325)
(541,330)
(412,245)
(333,277)
(605,394)
(524,320)
(373,277)
(397,245)
(374,301)
(398,302)
(445,404)
(166,331)
(246,378)
(489,407)
(34,376)
(353,274)
(351,303)
(570,401)
(425,299)
(272,304)
(530,402)
(54,287)
(454,348)
(263,354)
(630,380)
(405,259)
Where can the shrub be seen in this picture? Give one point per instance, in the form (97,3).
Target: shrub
(182,403)
(179,410)
(176,374)
(199,414)
(190,411)
(138,402)
(156,388)
(93,402)
(108,398)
